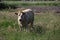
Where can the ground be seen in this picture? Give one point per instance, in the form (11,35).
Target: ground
(46,26)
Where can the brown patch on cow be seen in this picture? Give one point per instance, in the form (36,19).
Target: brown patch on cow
(20,9)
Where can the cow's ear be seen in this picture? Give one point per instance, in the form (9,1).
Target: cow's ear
(16,13)
(23,13)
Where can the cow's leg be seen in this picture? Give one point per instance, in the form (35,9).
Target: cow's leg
(31,26)
(20,26)
(27,30)
(23,27)
(26,27)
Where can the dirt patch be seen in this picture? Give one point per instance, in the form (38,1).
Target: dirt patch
(42,8)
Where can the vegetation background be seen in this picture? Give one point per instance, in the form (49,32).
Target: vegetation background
(46,21)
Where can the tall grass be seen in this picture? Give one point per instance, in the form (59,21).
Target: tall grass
(47,27)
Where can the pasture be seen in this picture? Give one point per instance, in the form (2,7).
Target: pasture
(46,26)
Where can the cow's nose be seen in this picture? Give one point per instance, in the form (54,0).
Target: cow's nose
(20,20)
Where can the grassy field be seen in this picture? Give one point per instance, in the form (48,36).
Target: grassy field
(35,3)
(47,27)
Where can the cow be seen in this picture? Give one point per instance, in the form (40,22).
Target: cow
(25,17)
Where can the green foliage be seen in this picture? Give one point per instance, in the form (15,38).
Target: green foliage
(6,23)
(42,3)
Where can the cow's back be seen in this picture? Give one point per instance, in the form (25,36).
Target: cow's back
(29,16)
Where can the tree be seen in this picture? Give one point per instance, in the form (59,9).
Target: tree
(0,0)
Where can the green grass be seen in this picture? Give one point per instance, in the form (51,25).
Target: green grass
(47,27)
(35,3)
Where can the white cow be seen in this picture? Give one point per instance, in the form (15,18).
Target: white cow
(25,17)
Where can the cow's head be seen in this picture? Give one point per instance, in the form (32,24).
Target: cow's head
(20,15)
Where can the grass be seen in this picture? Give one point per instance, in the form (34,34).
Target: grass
(47,27)
(35,3)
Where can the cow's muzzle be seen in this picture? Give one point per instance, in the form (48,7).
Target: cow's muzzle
(20,20)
